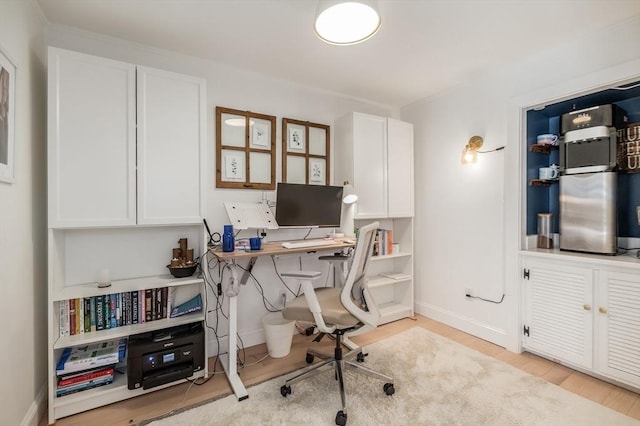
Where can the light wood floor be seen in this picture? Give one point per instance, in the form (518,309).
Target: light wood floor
(258,369)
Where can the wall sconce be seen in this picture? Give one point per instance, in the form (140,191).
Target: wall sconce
(472,149)
(346,22)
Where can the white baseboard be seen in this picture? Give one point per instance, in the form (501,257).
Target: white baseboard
(37,409)
(468,325)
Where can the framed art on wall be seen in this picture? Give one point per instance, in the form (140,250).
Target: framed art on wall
(245,149)
(7,118)
(305,152)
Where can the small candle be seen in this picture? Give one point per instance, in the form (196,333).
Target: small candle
(104,278)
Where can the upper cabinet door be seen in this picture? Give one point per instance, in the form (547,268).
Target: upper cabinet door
(171,149)
(91,148)
(369,165)
(400,168)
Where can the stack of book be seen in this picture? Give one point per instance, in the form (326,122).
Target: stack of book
(85,367)
(96,313)
(383,244)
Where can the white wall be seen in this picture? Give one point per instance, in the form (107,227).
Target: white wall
(23,236)
(243,90)
(468,218)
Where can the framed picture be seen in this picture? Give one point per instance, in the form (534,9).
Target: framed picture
(316,171)
(245,149)
(260,134)
(305,152)
(233,166)
(296,138)
(7,118)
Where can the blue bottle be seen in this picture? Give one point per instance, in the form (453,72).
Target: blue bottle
(228,240)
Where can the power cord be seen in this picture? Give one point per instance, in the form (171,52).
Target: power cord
(486,300)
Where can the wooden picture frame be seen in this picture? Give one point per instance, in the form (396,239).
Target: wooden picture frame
(305,152)
(7,118)
(245,149)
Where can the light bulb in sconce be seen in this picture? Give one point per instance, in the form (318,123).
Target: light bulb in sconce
(470,151)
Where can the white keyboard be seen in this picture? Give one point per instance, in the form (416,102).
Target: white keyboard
(308,243)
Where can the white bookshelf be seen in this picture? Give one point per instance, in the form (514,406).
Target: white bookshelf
(394,296)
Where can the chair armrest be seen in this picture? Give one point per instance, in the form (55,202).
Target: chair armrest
(314,307)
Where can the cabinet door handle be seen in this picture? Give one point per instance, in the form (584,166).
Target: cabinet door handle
(602,310)
(586,307)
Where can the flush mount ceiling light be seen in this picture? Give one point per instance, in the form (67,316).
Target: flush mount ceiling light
(346,22)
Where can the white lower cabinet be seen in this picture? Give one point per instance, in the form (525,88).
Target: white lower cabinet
(583,314)
(618,320)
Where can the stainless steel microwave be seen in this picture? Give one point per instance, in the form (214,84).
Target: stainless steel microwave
(588,150)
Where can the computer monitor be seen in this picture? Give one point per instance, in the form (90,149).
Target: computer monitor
(304,206)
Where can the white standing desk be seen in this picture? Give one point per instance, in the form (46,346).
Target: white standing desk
(230,360)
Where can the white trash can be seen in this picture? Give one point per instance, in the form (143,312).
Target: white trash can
(279,334)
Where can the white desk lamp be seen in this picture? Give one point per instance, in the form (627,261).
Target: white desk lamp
(349,198)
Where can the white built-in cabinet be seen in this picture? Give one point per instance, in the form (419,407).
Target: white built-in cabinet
(375,155)
(124,143)
(584,314)
(126,157)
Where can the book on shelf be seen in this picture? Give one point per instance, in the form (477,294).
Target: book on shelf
(148,301)
(99,313)
(94,383)
(96,313)
(63,312)
(93,313)
(72,316)
(80,315)
(135,307)
(383,244)
(85,376)
(87,314)
(86,357)
(192,305)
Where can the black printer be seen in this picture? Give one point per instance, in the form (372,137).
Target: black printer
(163,356)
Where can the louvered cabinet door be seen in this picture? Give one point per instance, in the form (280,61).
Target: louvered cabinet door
(558,320)
(618,320)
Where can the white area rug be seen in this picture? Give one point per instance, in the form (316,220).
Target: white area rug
(437,382)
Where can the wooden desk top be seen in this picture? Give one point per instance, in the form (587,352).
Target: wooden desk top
(273,248)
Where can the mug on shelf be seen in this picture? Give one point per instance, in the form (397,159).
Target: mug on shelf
(548,173)
(548,139)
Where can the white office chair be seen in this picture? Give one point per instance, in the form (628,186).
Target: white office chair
(342,312)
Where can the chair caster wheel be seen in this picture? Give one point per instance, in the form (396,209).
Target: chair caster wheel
(341,418)
(285,390)
(360,357)
(389,389)
(309,358)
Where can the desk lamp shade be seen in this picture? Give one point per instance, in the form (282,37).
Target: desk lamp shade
(348,194)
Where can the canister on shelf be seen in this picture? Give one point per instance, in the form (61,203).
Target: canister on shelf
(545,236)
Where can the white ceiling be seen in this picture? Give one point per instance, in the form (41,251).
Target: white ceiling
(422,47)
